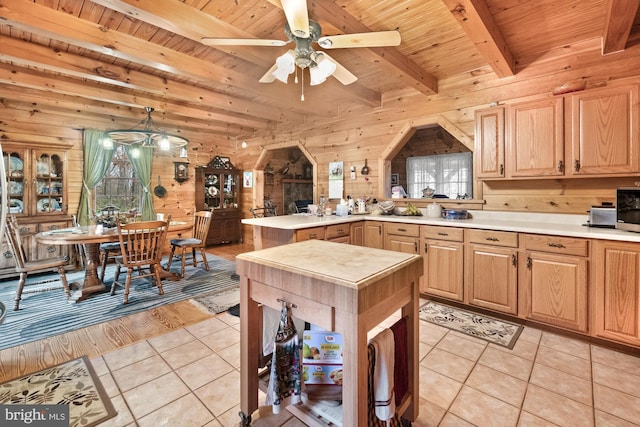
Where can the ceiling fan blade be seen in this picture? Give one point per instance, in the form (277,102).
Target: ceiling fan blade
(297,17)
(341,74)
(215,41)
(374,39)
(268,76)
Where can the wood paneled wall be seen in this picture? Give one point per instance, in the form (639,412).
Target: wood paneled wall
(360,135)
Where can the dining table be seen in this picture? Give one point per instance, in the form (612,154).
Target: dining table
(90,237)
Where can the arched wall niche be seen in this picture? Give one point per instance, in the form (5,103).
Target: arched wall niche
(265,156)
(404,136)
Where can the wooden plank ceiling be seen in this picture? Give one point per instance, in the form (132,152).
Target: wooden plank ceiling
(114,57)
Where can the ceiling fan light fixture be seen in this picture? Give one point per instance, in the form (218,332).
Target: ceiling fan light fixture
(285,65)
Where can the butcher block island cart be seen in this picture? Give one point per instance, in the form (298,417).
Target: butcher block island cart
(342,288)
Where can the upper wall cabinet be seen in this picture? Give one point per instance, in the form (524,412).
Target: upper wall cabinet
(603,126)
(590,133)
(489,143)
(535,145)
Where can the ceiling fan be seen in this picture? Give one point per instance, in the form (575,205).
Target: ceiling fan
(303,31)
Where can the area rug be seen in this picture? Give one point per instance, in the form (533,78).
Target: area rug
(73,383)
(217,302)
(45,314)
(476,325)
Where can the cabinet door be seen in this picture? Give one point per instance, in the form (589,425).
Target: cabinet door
(404,244)
(617,291)
(50,251)
(17,172)
(491,278)
(373,236)
(489,143)
(556,287)
(443,269)
(604,131)
(49,173)
(357,233)
(536,138)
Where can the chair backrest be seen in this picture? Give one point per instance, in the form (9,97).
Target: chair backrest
(202,221)
(141,242)
(12,232)
(263,212)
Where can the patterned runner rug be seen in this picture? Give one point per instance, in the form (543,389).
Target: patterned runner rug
(72,383)
(476,325)
(45,314)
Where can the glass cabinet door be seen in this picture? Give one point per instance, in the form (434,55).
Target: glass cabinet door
(48,183)
(212,190)
(16,182)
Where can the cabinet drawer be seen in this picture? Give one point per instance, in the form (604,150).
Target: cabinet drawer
(27,228)
(48,226)
(226,214)
(412,230)
(443,233)
(310,233)
(338,230)
(495,238)
(555,244)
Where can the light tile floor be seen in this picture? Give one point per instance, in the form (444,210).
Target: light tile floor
(190,377)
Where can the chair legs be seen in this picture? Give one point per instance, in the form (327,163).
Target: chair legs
(184,258)
(23,279)
(155,269)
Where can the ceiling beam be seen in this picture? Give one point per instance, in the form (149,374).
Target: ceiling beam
(476,20)
(237,110)
(46,22)
(618,23)
(390,58)
(194,24)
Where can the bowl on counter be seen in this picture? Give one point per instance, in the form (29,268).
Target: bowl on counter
(387,206)
(455,214)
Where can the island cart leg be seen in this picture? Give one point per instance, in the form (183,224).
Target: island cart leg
(250,351)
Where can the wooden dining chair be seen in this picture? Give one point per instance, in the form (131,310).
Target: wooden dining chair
(24,266)
(202,221)
(141,246)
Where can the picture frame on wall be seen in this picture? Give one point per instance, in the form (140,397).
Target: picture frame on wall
(395,179)
(247,179)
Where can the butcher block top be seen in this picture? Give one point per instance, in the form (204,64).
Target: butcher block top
(346,265)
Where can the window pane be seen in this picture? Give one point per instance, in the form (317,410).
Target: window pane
(119,188)
(448,174)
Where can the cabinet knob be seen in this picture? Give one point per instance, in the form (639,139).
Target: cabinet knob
(443,234)
(560,166)
(8,254)
(529,262)
(492,239)
(576,165)
(501,169)
(514,260)
(51,249)
(555,245)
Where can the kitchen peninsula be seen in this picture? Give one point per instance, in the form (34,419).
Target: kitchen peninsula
(545,268)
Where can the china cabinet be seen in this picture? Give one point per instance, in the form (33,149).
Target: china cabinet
(218,186)
(36,180)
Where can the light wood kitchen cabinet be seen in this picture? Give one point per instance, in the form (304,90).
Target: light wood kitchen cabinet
(555,281)
(338,233)
(604,129)
(491,270)
(616,302)
(536,138)
(402,237)
(489,143)
(373,234)
(310,233)
(357,233)
(443,257)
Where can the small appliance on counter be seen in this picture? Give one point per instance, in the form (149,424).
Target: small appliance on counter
(628,209)
(603,216)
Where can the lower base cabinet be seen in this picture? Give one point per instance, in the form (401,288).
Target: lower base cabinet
(555,281)
(617,289)
(373,235)
(225,227)
(443,255)
(491,270)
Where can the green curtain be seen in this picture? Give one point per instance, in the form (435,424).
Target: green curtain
(96,162)
(142,167)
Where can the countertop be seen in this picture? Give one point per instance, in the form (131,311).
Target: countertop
(569,225)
